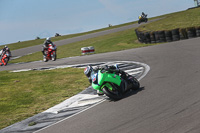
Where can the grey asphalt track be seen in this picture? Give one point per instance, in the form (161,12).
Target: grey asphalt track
(168,103)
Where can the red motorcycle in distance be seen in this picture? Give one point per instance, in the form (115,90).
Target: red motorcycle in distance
(50,53)
(4,59)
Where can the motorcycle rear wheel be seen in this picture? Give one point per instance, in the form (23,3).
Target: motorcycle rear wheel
(146,20)
(136,84)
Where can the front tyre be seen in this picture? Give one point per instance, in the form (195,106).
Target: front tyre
(6,61)
(54,56)
(113,94)
(45,59)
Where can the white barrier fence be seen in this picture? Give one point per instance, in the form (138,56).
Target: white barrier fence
(86,50)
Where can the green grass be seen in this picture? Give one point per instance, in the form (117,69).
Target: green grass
(25,94)
(24,44)
(183,19)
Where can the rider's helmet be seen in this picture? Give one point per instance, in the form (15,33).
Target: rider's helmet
(48,38)
(5,47)
(88,71)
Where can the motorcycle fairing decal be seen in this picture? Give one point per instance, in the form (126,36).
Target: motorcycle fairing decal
(94,78)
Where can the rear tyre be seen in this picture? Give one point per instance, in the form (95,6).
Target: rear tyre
(146,20)
(135,82)
(115,95)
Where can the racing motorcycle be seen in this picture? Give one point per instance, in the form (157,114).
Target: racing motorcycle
(114,83)
(142,19)
(50,53)
(4,59)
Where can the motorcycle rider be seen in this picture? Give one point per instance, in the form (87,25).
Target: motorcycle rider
(113,68)
(46,44)
(4,51)
(143,15)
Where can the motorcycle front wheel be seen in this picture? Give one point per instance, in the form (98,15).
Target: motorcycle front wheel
(45,59)
(6,61)
(114,94)
(54,56)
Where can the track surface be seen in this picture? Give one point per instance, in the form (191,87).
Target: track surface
(169,102)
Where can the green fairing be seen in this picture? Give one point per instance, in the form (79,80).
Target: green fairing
(106,77)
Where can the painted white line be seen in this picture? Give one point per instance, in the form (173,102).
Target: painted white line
(75,101)
(72,115)
(134,73)
(136,69)
(22,70)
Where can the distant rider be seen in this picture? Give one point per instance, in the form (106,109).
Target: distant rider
(46,44)
(143,15)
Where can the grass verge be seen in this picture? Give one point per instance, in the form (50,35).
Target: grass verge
(113,42)
(24,44)
(25,94)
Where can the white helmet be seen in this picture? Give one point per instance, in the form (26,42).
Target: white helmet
(48,38)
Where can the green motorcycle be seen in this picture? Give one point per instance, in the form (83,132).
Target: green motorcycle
(111,81)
